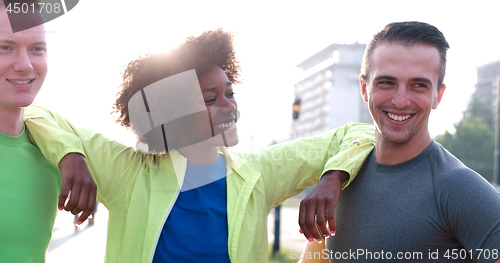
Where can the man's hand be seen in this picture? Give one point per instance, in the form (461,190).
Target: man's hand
(76,178)
(320,201)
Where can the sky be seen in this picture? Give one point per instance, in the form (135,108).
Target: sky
(88,46)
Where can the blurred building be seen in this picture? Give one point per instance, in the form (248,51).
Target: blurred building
(328,92)
(486,82)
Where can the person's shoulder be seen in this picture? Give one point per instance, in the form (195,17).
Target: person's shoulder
(449,173)
(460,192)
(444,161)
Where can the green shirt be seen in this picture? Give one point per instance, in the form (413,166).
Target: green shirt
(29,188)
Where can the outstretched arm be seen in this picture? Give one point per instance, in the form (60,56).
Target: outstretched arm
(289,168)
(114,166)
(75,176)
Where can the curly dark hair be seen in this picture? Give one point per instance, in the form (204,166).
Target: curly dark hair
(200,53)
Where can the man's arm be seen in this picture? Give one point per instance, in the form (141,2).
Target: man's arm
(470,208)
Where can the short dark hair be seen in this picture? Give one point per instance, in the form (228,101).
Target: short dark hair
(408,34)
(200,53)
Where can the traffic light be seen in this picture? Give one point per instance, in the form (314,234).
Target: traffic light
(296,109)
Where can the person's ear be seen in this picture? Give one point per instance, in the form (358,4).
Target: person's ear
(363,84)
(439,96)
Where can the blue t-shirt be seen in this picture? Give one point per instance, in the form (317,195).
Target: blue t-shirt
(196,229)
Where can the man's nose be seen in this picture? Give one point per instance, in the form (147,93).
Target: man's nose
(400,98)
(23,62)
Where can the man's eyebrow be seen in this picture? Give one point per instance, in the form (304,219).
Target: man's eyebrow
(14,42)
(8,41)
(385,77)
(229,83)
(426,80)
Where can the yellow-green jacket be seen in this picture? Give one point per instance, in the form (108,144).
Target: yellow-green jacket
(139,190)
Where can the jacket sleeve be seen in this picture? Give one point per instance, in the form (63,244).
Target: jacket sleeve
(114,166)
(60,141)
(357,142)
(289,168)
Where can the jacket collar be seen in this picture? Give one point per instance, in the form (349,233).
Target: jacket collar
(237,163)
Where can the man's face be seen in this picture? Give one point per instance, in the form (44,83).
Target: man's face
(401,90)
(23,63)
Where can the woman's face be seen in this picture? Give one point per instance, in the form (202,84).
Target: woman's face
(219,129)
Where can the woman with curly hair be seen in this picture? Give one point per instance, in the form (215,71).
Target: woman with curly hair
(207,61)
(190,199)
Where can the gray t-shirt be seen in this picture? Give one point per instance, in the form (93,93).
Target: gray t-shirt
(431,208)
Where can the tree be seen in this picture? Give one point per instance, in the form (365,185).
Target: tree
(473,140)
(476,109)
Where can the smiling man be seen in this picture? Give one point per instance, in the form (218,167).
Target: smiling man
(29,184)
(412,199)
